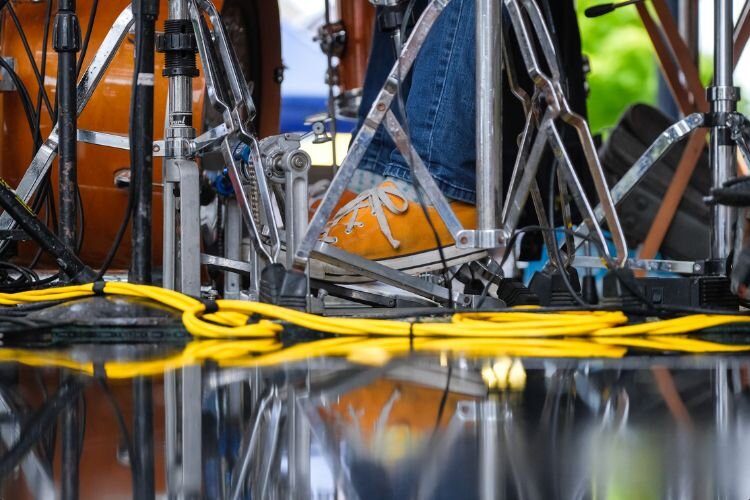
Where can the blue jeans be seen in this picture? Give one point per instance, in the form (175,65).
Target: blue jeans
(439,104)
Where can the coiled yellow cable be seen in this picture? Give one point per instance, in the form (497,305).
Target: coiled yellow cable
(246,333)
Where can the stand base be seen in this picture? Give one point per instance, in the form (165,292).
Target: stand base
(514,293)
(551,289)
(708,292)
(283,288)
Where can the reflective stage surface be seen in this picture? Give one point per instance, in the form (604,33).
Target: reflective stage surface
(416,427)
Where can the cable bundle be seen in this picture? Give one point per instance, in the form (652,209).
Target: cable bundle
(236,333)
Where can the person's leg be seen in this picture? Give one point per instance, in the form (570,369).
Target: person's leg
(385,222)
(440,107)
(379,65)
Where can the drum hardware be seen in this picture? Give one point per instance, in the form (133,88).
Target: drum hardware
(318,124)
(122,180)
(549,88)
(286,164)
(69,263)
(391,18)
(66,40)
(335,47)
(346,43)
(728,132)
(6,82)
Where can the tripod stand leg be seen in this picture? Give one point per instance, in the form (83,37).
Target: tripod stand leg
(658,148)
(723,97)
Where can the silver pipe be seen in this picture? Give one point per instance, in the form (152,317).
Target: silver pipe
(178,9)
(168,262)
(491,481)
(723,97)
(724,43)
(489,118)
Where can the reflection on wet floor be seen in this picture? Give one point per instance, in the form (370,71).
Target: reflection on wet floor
(415,427)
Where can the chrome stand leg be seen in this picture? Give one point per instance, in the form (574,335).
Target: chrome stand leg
(296,167)
(232,249)
(491,483)
(723,97)
(489,123)
(300,438)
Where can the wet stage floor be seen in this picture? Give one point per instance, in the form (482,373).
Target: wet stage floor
(420,426)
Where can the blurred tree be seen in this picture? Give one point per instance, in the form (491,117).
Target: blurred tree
(623,65)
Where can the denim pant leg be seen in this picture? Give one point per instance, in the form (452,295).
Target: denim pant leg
(441,105)
(381,61)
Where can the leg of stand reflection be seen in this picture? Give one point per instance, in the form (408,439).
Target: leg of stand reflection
(70,451)
(299,449)
(723,97)
(491,480)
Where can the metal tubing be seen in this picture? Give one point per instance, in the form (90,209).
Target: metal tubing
(143,438)
(68,261)
(489,114)
(67,43)
(142,133)
(723,98)
(70,451)
(232,249)
(490,456)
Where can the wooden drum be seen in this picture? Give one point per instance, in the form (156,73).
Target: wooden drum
(358,19)
(250,24)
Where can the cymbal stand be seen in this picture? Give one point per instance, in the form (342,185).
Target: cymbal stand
(728,132)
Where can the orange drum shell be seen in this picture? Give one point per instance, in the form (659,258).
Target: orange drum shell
(107,111)
(358,17)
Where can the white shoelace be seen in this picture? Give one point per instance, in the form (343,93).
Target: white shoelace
(376,199)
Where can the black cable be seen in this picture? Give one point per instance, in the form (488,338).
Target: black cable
(23,93)
(81,220)
(129,209)
(32,61)
(39,425)
(87,36)
(444,398)
(555,248)
(43,65)
(418,189)
(121,425)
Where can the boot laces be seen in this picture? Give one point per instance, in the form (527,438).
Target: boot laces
(377,199)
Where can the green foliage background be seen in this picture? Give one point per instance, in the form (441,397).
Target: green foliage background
(623,66)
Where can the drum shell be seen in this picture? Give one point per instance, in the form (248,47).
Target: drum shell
(358,17)
(107,111)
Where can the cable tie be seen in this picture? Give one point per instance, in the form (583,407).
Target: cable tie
(98,288)
(253,319)
(209,306)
